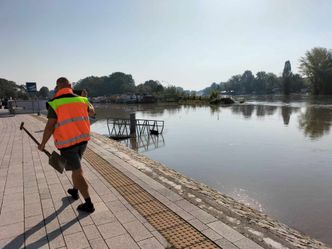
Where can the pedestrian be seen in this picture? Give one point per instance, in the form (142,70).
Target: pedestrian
(68,121)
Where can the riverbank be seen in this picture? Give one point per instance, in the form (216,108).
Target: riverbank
(36,213)
(255,225)
(132,209)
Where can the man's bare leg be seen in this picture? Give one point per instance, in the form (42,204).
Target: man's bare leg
(80,183)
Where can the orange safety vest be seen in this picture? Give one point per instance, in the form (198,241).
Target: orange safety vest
(73,125)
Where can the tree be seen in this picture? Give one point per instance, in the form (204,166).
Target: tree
(261,81)
(150,87)
(116,83)
(43,92)
(7,88)
(287,77)
(247,81)
(317,66)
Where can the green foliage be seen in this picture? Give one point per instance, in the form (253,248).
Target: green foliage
(11,89)
(317,66)
(116,83)
(43,92)
(214,94)
(150,87)
(7,88)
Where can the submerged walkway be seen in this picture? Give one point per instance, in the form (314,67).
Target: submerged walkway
(132,209)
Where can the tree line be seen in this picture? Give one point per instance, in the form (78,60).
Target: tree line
(9,89)
(315,68)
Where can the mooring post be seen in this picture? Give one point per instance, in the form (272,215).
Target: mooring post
(132,124)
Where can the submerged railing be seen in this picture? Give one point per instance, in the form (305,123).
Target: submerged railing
(119,128)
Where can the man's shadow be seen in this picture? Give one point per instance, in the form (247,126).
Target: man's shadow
(19,240)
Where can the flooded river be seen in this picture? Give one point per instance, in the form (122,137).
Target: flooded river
(273,154)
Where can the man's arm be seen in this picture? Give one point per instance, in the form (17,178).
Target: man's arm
(48,131)
(91,110)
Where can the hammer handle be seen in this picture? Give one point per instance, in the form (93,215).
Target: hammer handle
(34,139)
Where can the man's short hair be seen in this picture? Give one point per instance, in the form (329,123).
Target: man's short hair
(62,81)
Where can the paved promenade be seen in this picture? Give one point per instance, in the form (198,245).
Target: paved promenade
(36,212)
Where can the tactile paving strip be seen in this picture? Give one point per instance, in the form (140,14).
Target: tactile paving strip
(178,232)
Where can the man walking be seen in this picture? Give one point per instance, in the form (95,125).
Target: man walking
(68,121)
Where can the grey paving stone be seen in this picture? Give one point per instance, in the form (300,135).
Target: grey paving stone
(203,216)
(32,209)
(66,215)
(85,220)
(122,242)
(13,197)
(137,230)
(115,206)
(11,217)
(98,244)
(151,243)
(13,190)
(12,242)
(76,241)
(11,230)
(71,227)
(247,244)
(225,244)
(56,239)
(149,226)
(34,235)
(186,205)
(111,229)
(211,234)
(100,206)
(33,221)
(91,232)
(47,203)
(226,231)
(198,224)
(125,216)
(40,244)
(108,197)
(103,217)
(161,239)
(31,198)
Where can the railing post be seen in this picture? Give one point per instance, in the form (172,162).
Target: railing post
(133,125)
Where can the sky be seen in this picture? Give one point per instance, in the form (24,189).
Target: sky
(187,43)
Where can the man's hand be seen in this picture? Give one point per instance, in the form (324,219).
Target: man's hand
(91,110)
(49,128)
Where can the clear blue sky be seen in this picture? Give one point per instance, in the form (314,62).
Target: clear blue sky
(187,43)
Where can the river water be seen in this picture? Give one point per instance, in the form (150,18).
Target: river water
(273,154)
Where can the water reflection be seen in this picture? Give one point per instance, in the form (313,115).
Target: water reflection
(316,121)
(273,167)
(144,143)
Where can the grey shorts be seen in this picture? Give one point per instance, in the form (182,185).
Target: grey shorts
(73,156)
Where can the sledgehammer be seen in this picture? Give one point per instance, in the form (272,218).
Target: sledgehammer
(54,159)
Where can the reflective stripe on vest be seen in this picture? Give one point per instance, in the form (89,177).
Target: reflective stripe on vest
(55,104)
(71,140)
(70,120)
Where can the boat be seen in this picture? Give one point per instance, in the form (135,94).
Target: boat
(224,100)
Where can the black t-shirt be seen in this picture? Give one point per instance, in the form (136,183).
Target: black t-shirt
(51,113)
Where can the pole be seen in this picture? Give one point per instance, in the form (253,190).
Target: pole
(38,106)
(33,103)
(132,124)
